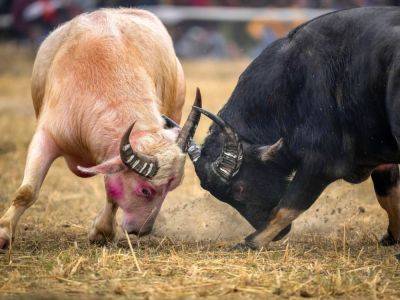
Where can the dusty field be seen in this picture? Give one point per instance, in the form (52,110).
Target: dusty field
(331,252)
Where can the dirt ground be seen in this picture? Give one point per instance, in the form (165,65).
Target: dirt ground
(331,252)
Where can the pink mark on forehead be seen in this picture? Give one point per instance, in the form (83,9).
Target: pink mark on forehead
(115,188)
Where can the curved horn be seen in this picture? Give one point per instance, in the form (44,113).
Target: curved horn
(228,162)
(141,164)
(188,130)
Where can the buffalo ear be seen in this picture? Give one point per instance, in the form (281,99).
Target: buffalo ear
(269,152)
(111,166)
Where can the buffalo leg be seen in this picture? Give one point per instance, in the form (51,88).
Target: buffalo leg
(387,189)
(300,195)
(104,225)
(42,152)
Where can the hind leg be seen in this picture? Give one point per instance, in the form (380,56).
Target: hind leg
(42,152)
(386,179)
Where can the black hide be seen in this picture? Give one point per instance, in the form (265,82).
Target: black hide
(331,90)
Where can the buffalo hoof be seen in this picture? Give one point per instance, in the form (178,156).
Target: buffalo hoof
(388,240)
(4,244)
(100,238)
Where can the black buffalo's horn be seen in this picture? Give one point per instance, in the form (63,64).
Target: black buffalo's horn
(228,162)
(189,128)
(144,165)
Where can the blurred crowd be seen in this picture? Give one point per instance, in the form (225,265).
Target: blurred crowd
(335,4)
(31,20)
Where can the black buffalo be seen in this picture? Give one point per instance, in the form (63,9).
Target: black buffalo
(319,105)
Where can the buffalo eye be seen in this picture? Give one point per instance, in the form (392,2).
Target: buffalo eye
(145,192)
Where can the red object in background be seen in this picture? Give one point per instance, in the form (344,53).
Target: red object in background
(49,11)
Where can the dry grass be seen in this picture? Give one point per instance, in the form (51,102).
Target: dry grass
(332,252)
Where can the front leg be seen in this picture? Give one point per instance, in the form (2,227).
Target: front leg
(104,225)
(302,192)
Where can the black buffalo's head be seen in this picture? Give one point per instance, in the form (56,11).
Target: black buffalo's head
(246,176)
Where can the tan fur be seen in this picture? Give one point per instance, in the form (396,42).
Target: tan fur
(97,74)
(42,152)
(282,218)
(92,78)
(24,196)
(391,204)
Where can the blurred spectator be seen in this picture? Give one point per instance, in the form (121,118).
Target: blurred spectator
(34,19)
(127,3)
(201,42)
(5,6)
(267,37)
(336,4)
